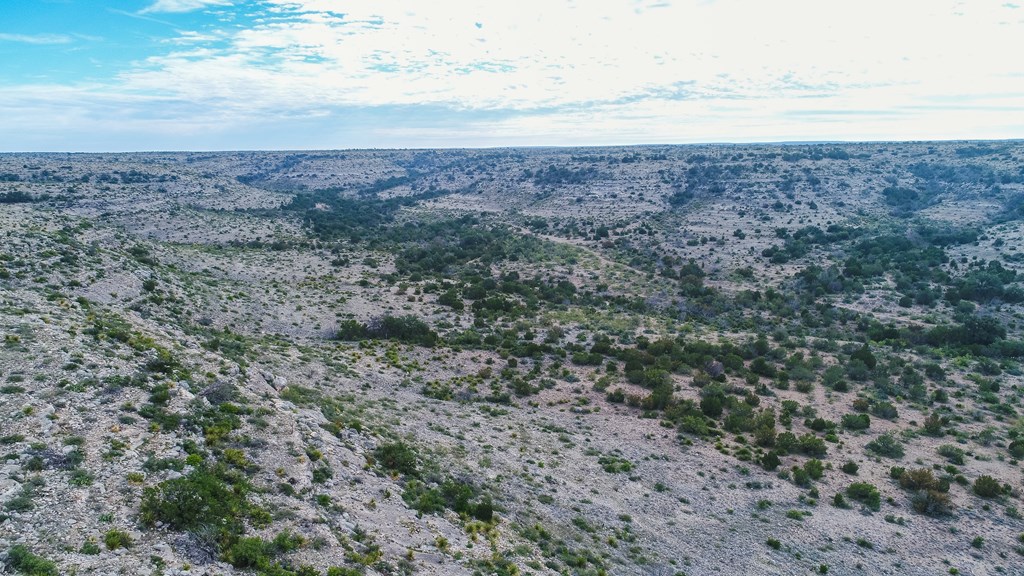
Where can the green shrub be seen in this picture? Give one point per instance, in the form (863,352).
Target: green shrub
(248,553)
(819,424)
(236,458)
(712,406)
(866,494)
(850,467)
(322,474)
(933,425)
(884,410)
(202,499)
(987,487)
(886,445)
(808,444)
(350,330)
(22,560)
(918,479)
(952,453)
(1016,448)
(931,503)
(814,468)
(408,329)
(23,500)
(451,493)
(692,424)
(864,355)
(343,571)
(786,442)
(397,457)
(484,511)
(80,477)
(287,541)
(90,547)
(115,539)
(423,499)
(614,464)
(34,464)
(451,298)
(254,553)
(856,421)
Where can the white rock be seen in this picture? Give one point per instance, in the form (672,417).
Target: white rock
(8,487)
(162,547)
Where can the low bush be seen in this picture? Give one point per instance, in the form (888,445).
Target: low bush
(407,329)
(115,539)
(814,468)
(396,457)
(255,553)
(931,503)
(206,499)
(919,479)
(866,494)
(1016,448)
(451,494)
(952,453)
(884,410)
(248,553)
(886,445)
(987,487)
(856,421)
(22,560)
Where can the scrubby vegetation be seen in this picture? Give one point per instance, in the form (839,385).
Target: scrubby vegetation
(492,361)
(23,561)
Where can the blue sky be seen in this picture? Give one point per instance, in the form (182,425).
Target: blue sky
(84,75)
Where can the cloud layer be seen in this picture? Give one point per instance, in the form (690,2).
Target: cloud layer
(544,71)
(182,5)
(36,38)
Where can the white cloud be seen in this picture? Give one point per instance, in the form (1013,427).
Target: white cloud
(36,38)
(572,72)
(181,5)
(539,53)
(193,37)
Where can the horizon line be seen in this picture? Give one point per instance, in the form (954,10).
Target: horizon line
(530,146)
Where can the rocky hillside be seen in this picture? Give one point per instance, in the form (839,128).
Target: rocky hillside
(651,360)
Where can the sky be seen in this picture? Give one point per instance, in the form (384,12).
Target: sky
(134,75)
